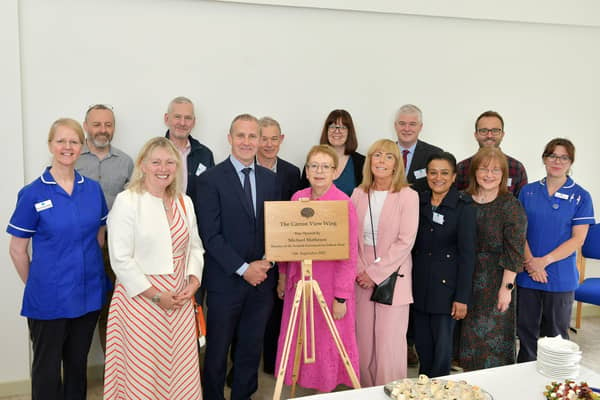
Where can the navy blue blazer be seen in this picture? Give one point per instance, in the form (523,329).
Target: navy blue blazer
(423,151)
(288,178)
(230,233)
(444,254)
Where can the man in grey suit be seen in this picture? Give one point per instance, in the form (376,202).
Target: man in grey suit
(415,153)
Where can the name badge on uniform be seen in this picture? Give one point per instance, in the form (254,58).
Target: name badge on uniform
(420,173)
(43,205)
(201,168)
(438,218)
(561,195)
(509,182)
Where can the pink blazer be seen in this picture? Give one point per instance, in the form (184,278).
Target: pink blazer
(396,233)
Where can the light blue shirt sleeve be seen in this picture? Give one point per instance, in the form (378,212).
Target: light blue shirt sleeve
(241,270)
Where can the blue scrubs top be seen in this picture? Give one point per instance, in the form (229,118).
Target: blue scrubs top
(66,274)
(550,220)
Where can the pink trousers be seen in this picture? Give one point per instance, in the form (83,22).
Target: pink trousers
(381,337)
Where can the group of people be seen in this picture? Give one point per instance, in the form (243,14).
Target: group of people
(459,238)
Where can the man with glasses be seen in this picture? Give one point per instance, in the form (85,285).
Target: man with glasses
(103,162)
(489,132)
(415,152)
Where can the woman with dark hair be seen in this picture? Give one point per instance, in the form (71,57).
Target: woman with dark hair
(388,213)
(63,215)
(488,331)
(338,132)
(443,263)
(559,212)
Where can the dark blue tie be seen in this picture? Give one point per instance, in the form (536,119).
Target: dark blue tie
(248,188)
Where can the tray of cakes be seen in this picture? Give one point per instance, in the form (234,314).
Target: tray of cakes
(423,388)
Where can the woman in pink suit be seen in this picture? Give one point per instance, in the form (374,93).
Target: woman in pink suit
(336,279)
(388,219)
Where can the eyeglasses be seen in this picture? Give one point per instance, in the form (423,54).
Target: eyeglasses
(315,167)
(555,157)
(486,131)
(493,171)
(340,128)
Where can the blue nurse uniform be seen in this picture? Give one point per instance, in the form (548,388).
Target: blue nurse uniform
(66,273)
(545,308)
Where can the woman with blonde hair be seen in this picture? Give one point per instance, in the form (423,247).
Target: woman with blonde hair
(388,217)
(488,331)
(63,214)
(157,256)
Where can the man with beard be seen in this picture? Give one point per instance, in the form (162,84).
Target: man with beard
(111,167)
(489,132)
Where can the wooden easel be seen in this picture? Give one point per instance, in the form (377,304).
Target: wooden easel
(305,289)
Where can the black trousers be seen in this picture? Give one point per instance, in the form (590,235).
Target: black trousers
(60,343)
(433,342)
(541,314)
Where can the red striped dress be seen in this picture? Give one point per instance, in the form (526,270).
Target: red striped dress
(151,353)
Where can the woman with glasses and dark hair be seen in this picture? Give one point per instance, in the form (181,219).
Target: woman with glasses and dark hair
(336,280)
(63,215)
(338,132)
(559,212)
(443,264)
(488,331)
(388,215)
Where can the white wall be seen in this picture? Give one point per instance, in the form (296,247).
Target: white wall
(14,344)
(295,64)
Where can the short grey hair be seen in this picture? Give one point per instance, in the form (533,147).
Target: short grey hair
(180,100)
(410,109)
(268,121)
(242,117)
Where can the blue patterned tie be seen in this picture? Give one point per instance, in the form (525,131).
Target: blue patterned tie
(248,188)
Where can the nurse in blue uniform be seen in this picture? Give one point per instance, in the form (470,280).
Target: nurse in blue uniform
(559,213)
(63,214)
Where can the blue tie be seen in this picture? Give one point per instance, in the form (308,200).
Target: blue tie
(248,189)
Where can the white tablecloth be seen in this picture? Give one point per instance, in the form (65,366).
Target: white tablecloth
(511,382)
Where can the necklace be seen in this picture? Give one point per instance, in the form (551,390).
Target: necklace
(165,206)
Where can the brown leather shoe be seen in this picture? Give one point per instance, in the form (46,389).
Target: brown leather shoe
(412,359)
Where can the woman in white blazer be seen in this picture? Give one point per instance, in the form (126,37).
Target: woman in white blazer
(157,257)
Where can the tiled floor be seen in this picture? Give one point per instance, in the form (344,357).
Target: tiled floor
(588,338)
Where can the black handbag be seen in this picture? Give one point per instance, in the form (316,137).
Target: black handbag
(384,292)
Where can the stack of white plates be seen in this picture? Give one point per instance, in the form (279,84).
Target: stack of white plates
(558,358)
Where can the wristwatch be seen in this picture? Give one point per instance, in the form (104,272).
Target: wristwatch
(156,298)
(509,286)
(339,300)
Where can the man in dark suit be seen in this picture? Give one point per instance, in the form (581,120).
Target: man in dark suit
(239,281)
(288,179)
(415,153)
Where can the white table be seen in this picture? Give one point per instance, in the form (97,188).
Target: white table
(511,382)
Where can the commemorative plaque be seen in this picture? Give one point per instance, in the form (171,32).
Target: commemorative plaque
(306,230)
